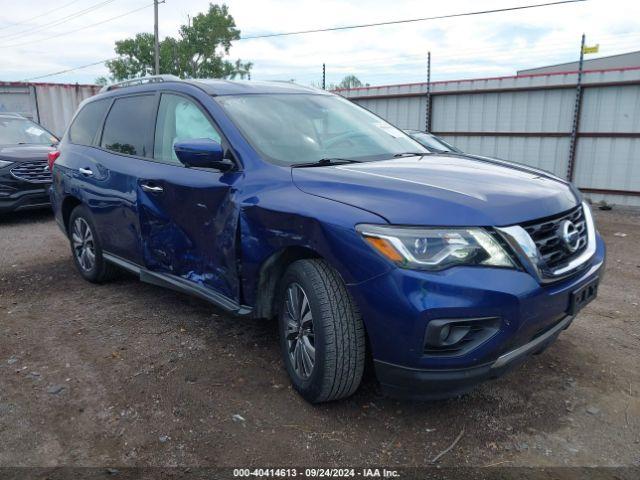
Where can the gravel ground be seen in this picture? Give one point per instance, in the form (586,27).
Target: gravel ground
(130,374)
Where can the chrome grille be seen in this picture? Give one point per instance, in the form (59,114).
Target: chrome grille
(548,239)
(33,171)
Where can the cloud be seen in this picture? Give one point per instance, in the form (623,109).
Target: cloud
(465,47)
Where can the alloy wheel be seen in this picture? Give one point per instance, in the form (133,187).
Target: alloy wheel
(299,331)
(83,244)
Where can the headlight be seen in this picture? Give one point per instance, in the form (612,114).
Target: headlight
(4,163)
(435,248)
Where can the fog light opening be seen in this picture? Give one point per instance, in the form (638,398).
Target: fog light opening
(455,336)
(444,333)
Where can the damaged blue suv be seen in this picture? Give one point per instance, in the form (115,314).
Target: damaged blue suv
(274,200)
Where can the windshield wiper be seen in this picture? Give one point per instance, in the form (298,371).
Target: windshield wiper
(411,154)
(323,162)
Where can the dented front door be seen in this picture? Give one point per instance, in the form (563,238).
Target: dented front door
(188,216)
(188,224)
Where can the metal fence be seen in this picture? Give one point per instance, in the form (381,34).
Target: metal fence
(50,104)
(529,119)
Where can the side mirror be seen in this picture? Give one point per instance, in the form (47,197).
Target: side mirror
(202,152)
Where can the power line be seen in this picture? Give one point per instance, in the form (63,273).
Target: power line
(22,22)
(410,20)
(69,70)
(78,29)
(59,21)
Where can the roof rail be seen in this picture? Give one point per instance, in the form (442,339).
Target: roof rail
(140,81)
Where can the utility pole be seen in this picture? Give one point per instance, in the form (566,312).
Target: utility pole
(156,41)
(573,145)
(323,77)
(427,119)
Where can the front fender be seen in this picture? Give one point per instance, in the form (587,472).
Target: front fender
(286,217)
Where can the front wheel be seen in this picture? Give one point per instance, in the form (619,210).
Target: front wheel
(321,332)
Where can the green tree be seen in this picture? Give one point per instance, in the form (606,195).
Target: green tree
(350,81)
(198,52)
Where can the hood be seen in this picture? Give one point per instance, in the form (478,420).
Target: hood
(18,153)
(451,190)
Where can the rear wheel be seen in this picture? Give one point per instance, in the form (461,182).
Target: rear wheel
(86,248)
(321,332)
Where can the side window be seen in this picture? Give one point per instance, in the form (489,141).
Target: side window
(179,119)
(125,130)
(86,124)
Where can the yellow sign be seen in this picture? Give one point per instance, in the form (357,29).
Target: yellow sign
(593,49)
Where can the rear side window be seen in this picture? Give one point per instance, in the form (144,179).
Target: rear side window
(86,124)
(126,129)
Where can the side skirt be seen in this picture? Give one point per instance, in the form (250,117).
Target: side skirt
(181,285)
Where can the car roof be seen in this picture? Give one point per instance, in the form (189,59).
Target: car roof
(236,87)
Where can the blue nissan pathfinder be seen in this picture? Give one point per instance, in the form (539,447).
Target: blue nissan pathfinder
(273,200)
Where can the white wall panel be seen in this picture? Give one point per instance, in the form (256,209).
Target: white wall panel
(53,105)
(531,104)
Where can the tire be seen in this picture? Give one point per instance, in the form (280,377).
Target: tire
(96,269)
(335,332)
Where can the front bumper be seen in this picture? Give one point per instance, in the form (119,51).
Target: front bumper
(437,384)
(398,306)
(25,199)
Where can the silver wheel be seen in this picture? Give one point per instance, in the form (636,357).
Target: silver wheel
(83,245)
(299,331)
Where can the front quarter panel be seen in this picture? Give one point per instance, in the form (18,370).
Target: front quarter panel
(282,216)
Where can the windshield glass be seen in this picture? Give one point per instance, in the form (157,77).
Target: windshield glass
(432,142)
(15,131)
(290,129)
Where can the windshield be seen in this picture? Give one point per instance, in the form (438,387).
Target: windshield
(15,131)
(291,129)
(432,142)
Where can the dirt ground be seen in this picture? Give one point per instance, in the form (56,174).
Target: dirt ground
(129,374)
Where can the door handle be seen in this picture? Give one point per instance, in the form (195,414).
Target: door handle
(151,188)
(85,171)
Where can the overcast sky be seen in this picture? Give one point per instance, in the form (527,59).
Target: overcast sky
(478,46)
